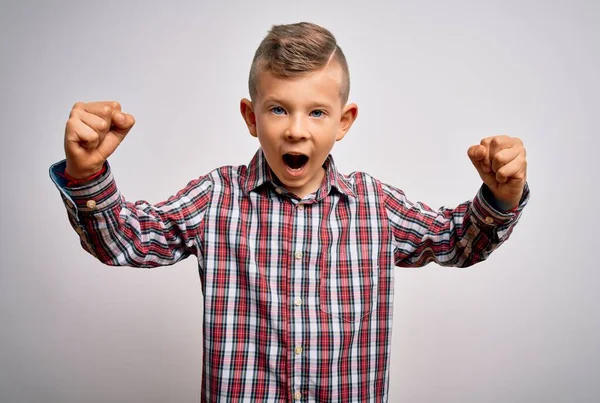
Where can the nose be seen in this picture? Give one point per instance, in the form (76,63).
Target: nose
(297,129)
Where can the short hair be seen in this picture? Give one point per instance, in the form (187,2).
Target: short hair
(295,49)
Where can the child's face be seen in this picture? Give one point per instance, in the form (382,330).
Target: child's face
(297,121)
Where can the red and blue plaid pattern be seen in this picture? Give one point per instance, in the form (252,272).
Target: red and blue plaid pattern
(298,294)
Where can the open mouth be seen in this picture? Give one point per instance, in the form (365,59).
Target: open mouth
(295,161)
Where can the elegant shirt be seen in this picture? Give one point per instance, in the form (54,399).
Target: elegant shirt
(298,293)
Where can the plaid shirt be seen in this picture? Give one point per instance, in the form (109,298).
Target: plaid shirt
(298,294)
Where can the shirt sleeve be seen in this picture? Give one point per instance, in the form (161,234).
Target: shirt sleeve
(138,234)
(458,237)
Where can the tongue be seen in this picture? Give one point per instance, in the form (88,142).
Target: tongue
(295,161)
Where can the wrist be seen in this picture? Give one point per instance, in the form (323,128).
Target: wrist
(80,178)
(506,205)
(79,175)
(501,204)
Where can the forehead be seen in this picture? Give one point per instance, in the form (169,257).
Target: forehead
(322,85)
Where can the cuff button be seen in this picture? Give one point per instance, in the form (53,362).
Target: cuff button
(91,204)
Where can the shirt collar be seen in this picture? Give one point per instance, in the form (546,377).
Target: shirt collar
(260,173)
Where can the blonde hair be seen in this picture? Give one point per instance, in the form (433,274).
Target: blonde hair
(296,49)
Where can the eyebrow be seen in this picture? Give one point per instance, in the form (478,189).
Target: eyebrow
(315,104)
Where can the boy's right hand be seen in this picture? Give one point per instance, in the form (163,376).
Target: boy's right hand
(94,131)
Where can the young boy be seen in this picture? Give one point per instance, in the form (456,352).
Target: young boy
(296,259)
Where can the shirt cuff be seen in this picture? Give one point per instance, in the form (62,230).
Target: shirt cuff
(97,195)
(486,210)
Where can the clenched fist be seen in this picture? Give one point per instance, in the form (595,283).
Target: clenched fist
(502,165)
(94,131)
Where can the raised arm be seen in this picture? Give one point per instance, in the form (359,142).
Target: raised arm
(116,231)
(469,233)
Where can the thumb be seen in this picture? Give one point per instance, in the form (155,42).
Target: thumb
(478,155)
(121,123)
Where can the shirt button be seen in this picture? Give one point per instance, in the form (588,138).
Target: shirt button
(278,191)
(298,350)
(91,204)
(300,207)
(297,396)
(298,255)
(298,301)
(489,220)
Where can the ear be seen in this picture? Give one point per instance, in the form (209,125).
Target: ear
(246,108)
(349,115)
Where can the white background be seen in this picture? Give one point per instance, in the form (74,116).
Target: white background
(430,79)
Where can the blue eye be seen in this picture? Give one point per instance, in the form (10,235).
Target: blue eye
(278,110)
(317,113)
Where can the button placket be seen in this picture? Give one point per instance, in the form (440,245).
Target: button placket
(298,280)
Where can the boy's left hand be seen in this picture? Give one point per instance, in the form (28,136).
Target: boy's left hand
(502,165)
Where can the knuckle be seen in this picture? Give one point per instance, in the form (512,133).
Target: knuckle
(116,105)
(106,110)
(71,122)
(83,135)
(77,105)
